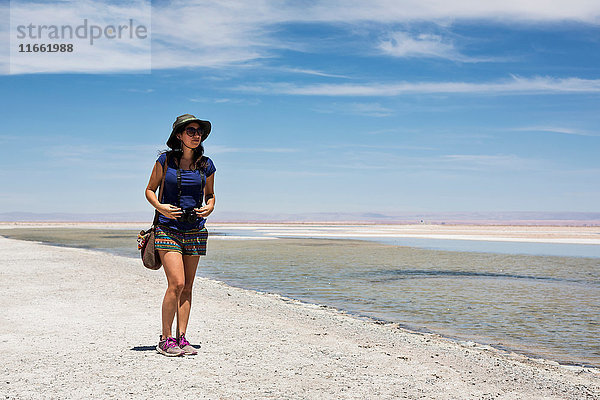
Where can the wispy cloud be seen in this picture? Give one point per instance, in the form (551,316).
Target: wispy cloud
(486,161)
(140,90)
(376,146)
(222,100)
(387,131)
(218,149)
(385,160)
(215,34)
(203,33)
(98,154)
(557,129)
(386,11)
(365,109)
(312,72)
(4,37)
(118,54)
(403,44)
(516,85)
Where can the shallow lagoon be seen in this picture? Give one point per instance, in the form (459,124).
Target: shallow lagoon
(545,305)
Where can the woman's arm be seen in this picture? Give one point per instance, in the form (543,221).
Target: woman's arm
(209,197)
(167,210)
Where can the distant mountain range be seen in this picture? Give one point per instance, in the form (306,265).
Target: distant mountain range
(507,218)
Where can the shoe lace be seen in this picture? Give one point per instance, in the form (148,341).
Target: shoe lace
(170,342)
(183,341)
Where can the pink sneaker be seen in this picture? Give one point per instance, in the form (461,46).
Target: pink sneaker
(187,348)
(169,347)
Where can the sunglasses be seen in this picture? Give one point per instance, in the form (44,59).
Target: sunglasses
(191,132)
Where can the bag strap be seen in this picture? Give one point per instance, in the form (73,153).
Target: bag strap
(161,191)
(202,188)
(178,186)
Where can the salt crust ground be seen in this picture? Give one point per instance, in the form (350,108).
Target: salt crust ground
(511,233)
(79,324)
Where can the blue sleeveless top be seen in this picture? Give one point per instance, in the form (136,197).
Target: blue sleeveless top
(192,192)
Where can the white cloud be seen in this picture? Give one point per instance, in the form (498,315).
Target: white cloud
(516,85)
(388,131)
(376,146)
(366,109)
(370,109)
(312,72)
(4,37)
(213,34)
(87,154)
(145,91)
(387,11)
(193,33)
(557,129)
(361,157)
(251,102)
(218,149)
(486,161)
(403,44)
(122,53)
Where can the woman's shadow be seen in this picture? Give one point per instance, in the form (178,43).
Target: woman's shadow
(144,348)
(152,348)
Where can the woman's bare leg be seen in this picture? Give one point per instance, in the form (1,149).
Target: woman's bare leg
(173,265)
(190,264)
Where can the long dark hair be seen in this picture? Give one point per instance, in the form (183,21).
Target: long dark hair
(199,161)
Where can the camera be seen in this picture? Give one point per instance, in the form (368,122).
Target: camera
(188,215)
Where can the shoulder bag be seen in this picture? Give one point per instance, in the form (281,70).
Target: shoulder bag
(145,239)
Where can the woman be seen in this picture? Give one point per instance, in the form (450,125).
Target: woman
(180,233)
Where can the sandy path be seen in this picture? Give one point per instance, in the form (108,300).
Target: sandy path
(82,324)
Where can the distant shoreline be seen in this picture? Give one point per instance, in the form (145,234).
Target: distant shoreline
(494,218)
(502,233)
(548,223)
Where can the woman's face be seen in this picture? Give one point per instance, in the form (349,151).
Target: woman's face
(191,135)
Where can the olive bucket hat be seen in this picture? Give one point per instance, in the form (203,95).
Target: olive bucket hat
(183,120)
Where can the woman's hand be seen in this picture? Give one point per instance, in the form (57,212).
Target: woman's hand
(169,211)
(204,211)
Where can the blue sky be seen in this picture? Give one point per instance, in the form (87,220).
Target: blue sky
(319,106)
